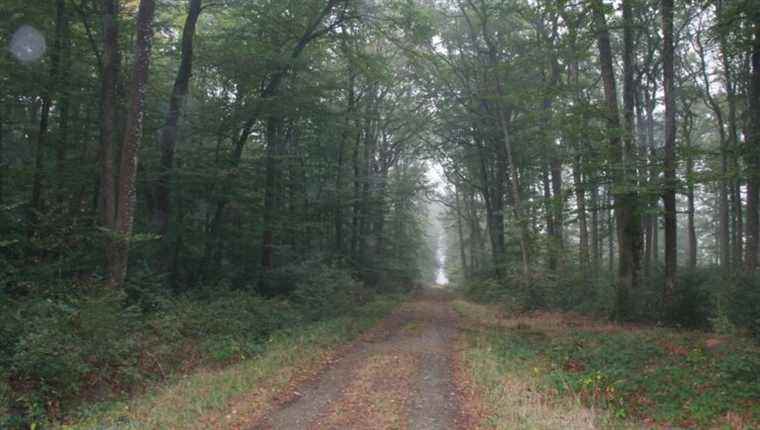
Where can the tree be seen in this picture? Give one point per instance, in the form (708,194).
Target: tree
(625,200)
(126,197)
(753,154)
(168,134)
(669,192)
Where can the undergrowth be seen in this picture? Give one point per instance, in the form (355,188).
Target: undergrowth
(79,344)
(656,376)
(703,299)
(189,401)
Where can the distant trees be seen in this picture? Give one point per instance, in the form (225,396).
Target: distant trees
(276,132)
(680,68)
(267,133)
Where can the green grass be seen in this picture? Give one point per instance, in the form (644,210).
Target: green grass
(662,377)
(189,401)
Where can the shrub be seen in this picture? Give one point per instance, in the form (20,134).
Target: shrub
(327,292)
(76,342)
(486,291)
(742,298)
(63,348)
(694,299)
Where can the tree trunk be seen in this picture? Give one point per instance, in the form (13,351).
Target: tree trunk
(493,203)
(346,135)
(127,193)
(723,213)
(515,190)
(168,133)
(271,190)
(64,115)
(558,203)
(61,22)
(610,231)
(460,235)
(476,238)
(732,147)
(654,205)
(692,234)
(356,207)
(3,117)
(107,191)
(596,247)
(549,218)
(580,198)
(753,156)
(669,189)
(625,200)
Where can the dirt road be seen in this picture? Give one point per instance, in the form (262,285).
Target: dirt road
(398,376)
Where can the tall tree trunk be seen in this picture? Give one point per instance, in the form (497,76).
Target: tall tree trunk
(356,207)
(610,203)
(107,189)
(630,230)
(669,189)
(271,190)
(580,198)
(460,234)
(491,205)
(650,102)
(753,156)
(345,138)
(61,22)
(3,116)
(476,238)
(737,220)
(558,202)
(551,252)
(692,234)
(596,247)
(64,115)
(126,187)
(724,249)
(646,224)
(168,134)
(733,148)
(628,224)
(515,189)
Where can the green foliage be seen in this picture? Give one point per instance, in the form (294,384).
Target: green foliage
(742,299)
(98,344)
(326,291)
(489,291)
(541,291)
(659,374)
(702,297)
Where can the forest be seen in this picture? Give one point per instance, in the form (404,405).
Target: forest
(223,190)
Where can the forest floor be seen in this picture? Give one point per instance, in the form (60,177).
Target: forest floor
(441,362)
(421,368)
(399,375)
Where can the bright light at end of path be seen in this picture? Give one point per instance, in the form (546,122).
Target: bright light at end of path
(440,277)
(440,274)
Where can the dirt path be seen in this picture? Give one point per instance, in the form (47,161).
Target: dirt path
(398,376)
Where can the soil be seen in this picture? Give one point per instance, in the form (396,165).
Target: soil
(399,375)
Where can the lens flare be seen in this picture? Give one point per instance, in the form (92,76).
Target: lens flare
(27,44)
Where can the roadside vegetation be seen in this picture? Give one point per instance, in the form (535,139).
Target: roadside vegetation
(74,355)
(221,396)
(548,370)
